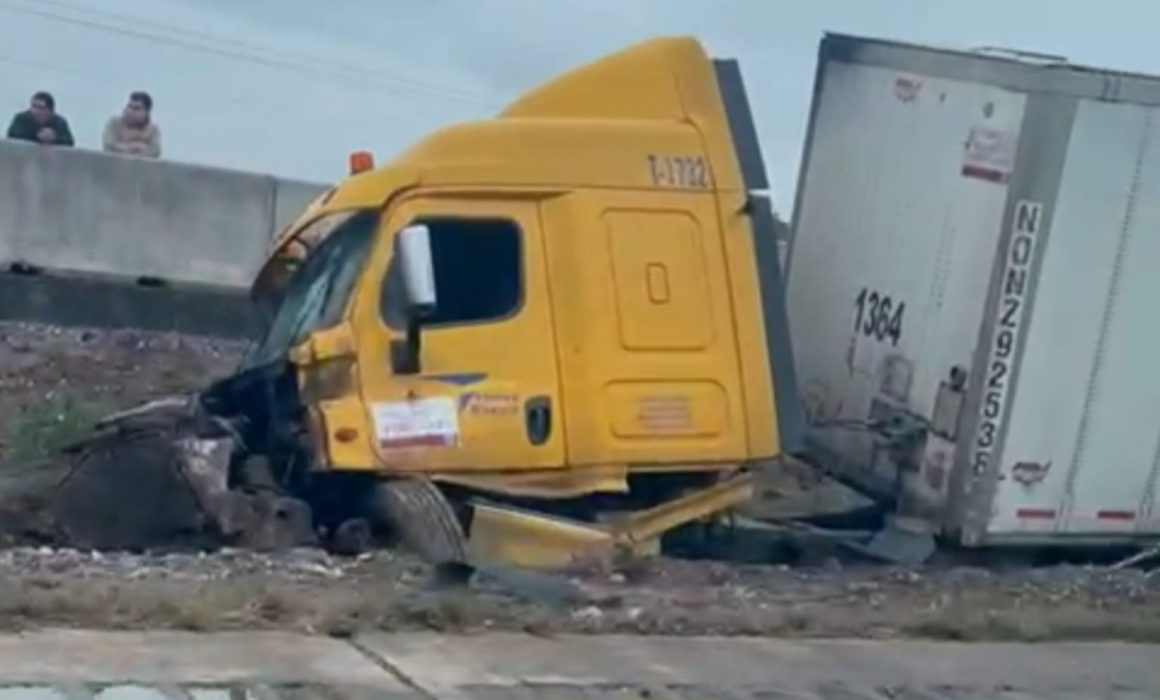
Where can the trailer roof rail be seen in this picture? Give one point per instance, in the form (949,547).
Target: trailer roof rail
(1020,54)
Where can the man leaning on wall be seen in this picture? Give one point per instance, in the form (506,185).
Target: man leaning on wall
(40,123)
(133,132)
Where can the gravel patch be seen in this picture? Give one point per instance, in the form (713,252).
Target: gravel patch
(311,591)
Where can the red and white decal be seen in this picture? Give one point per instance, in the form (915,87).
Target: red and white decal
(431,422)
(989,154)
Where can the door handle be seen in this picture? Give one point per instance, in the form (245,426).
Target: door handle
(538,419)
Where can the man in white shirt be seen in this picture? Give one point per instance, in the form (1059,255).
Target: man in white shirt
(133,132)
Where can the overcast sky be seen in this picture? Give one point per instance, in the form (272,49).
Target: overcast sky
(291,86)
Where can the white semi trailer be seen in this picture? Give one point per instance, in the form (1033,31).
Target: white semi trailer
(974,290)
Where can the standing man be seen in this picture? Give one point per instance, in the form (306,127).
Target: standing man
(41,124)
(133,132)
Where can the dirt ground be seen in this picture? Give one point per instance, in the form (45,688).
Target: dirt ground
(309,591)
(54,381)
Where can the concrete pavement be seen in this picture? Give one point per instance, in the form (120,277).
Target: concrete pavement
(70,665)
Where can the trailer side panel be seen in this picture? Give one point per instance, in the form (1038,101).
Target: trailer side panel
(899,215)
(1081,453)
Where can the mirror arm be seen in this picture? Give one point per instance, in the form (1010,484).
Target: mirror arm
(414,339)
(405,351)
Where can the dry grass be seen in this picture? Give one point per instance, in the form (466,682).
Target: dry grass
(1036,625)
(43,428)
(349,607)
(234,605)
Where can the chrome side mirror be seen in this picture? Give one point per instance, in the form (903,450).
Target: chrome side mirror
(417,269)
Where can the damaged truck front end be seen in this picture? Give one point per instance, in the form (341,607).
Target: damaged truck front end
(237,463)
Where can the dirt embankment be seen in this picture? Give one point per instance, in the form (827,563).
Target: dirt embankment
(53,382)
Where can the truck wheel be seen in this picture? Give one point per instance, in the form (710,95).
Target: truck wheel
(424,519)
(351,538)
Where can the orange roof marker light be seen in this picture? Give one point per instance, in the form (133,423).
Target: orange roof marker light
(361,161)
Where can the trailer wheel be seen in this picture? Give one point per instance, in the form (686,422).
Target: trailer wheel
(424,519)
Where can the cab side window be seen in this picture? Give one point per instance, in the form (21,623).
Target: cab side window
(478,273)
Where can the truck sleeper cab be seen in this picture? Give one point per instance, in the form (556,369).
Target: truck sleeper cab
(572,308)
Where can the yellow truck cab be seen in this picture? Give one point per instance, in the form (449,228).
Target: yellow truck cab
(570,310)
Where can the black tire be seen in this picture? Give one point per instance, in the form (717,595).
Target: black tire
(351,538)
(423,518)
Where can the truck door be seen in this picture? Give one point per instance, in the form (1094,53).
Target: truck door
(486,393)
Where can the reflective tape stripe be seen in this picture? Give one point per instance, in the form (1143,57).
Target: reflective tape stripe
(1035,513)
(1116,515)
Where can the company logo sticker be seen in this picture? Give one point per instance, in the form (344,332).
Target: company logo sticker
(906,88)
(480,403)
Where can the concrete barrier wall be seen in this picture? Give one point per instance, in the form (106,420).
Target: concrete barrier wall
(78,211)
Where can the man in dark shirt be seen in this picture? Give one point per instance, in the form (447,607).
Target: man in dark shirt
(41,124)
